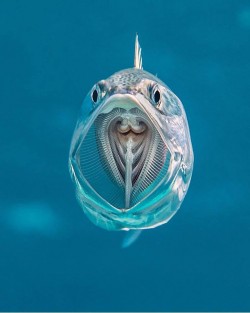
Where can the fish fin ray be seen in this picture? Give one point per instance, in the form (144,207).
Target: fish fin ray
(138,56)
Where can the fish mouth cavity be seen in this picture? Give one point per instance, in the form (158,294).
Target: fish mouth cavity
(130,148)
(128,132)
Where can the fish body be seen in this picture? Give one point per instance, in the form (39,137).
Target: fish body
(131,156)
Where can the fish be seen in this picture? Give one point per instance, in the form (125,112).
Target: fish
(131,157)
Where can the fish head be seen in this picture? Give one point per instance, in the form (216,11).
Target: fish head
(131,152)
(131,156)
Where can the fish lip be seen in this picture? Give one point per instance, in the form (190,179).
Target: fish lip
(119,101)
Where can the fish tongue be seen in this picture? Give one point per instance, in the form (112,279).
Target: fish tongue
(128,172)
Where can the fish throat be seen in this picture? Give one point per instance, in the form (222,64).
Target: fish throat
(130,149)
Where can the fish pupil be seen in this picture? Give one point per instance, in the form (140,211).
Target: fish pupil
(95,95)
(157,96)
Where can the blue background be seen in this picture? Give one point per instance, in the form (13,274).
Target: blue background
(51,257)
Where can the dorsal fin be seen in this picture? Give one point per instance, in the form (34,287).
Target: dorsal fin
(138,57)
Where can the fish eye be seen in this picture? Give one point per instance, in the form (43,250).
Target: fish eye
(95,95)
(99,91)
(156,95)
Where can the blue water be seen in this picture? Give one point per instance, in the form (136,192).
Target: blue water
(52,258)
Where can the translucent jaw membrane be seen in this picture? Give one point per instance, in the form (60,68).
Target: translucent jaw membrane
(122,157)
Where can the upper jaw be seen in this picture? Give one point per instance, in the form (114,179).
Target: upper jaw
(123,101)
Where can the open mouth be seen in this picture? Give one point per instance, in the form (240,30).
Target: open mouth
(127,153)
(124,136)
(128,134)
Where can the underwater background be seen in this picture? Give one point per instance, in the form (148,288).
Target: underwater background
(52,258)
